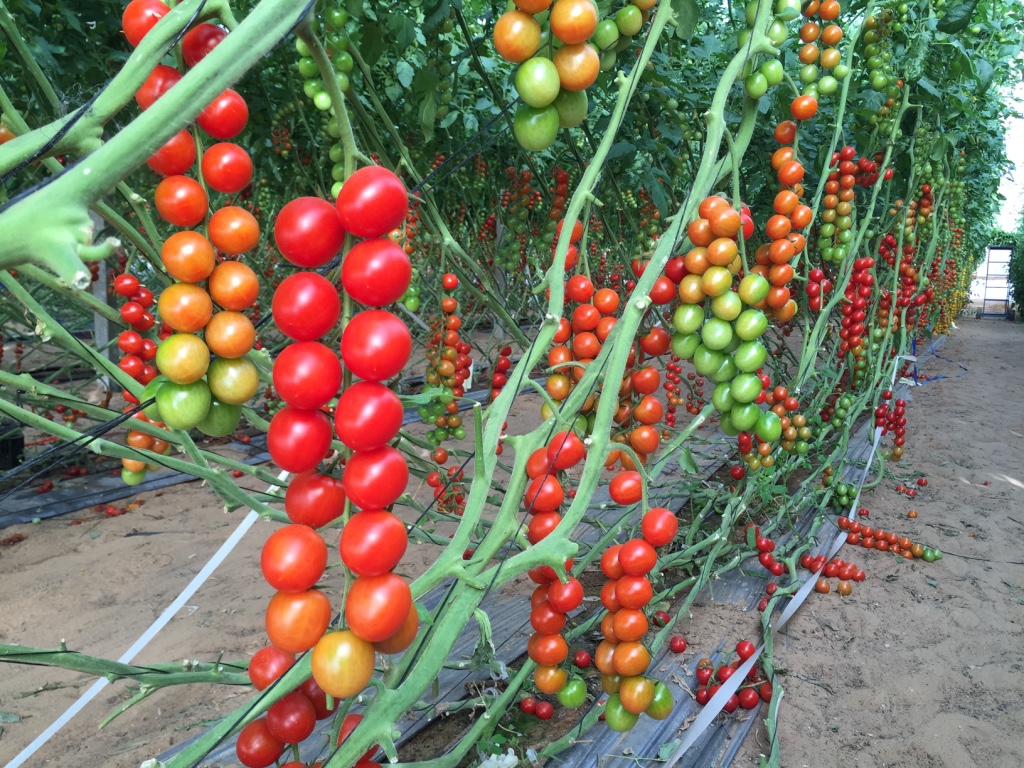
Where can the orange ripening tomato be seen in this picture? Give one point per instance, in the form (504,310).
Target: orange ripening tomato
(516,36)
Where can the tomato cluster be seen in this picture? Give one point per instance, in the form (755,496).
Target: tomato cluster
(193,390)
(709,678)
(552,81)
(448,367)
(622,657)
(552,599)
(893,419)
(138,350)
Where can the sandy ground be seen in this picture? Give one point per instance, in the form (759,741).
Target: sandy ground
(920,667)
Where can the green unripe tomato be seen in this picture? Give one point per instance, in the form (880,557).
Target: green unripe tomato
(706,360)
(343,62)
(726,371)
(750,355)
(727,306)
(769,427)
(336,17)
(744,416)
(828,85)
(607,61)
(750,13)
(743,38)
(133,478)
(629,20)
(756,85)
(787,10)
(606,35)
(312,87)
(751,324)
(302,48)
(777,33)
(684,345)
(721,398)
(688,318)
(307,67)
(773,72)
(571,107)
(716,334)
(841,72)
(808,73)
(725,422)
(745,388)
(753,289)
(322,100)
(537,81)
(535,129)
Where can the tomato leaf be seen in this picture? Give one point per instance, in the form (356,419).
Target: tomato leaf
(687,463)
(958,17)
(667,750)
(687,15)
(404,72)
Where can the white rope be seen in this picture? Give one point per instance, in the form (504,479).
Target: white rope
(126,658)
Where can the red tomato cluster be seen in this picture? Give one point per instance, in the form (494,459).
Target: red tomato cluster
(817,286)
(552,599)
(894,419)
(138,350)
(622,657)
(750,694)
(499,374)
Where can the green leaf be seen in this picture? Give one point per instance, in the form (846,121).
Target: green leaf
(985,73)
(925,83)
(621,149)
(687,16)
(667,750)
(9,717)
(372,45)
(405,73)
(958,17)
(687,463)
(940,148)
(428,114)
(449,119)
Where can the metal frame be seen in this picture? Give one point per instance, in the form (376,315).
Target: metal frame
(995,293)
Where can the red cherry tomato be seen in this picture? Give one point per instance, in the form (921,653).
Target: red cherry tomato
(307,374)
(376,345)
(368,416)
(314,499)
(376,272)
(372,202)
(308,232)
(225,117)
(305,306)
(298,439)
(375,479)
(139,17)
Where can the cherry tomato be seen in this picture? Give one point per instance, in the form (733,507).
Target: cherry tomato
(377,606)
(297,620)
(342,663)
(291,719)
(225,117)
(308,232)
(293,558)
(368,416)
(373,542)
(181,201)
(372,202)
(256,747)
(199,41)
(376,272)
(375,479)
(139,17)
(234,230)
(227,168)
(307,374)
(314,499)
(376,345)
(298,439)
(267,665)
(176,156)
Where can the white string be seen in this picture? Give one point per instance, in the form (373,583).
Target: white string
(126,658)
